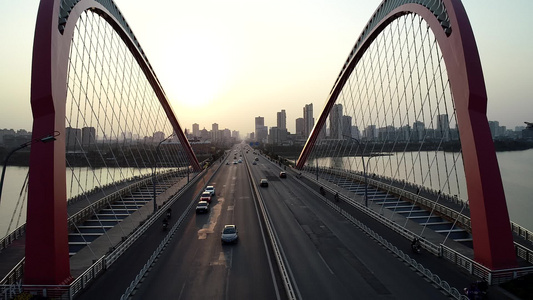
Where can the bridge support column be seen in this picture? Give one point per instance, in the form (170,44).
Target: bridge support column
(47,254)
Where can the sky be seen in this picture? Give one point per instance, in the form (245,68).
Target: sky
(228,62)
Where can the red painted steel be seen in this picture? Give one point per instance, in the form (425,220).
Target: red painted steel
(47,257)
(491,229)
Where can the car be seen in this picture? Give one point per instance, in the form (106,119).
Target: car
(234,162)
(227,163)
(254,163)
(229,234)
(263,182)
(210,189)
(240,160)
(202,207)
(206,196)
(282,174)
(256,158)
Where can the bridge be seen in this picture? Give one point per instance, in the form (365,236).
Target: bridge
(401,150)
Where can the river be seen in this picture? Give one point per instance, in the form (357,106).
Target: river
(516,168)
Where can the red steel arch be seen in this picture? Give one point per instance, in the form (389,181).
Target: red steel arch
(47,255)
(491,229)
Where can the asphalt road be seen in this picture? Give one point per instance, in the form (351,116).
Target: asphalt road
(330,258)
(196,265)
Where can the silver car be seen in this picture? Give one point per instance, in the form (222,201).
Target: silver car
(229,234)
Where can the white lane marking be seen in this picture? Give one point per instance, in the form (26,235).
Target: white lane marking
(325,263)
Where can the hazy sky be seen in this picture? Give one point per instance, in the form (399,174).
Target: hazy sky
(227,62)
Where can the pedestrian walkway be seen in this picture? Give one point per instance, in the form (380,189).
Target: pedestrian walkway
(14,253)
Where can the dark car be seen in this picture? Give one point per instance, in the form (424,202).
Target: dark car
(282,174)
(263,182)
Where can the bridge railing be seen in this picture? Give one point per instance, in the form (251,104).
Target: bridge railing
(89,211)
(21,230)
(443,210)
(17,272)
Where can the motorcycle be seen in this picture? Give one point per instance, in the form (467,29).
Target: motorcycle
(415,246)
(322,191)
(165,224)
(477,290)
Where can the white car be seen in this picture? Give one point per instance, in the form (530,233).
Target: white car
(229,234)
(202,207)
(210,189)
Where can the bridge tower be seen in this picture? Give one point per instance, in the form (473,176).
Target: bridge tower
(448,21)
(47,252)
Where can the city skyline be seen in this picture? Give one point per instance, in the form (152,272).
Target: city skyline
(267,66)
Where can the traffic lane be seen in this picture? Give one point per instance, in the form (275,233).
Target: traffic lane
(313,278)
(114,281)
(356,263)
(252,270)
(377,265)
(197,266)
(191,267)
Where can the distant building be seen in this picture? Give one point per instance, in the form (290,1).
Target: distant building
(300,126)
(215,136)
(282,119)
(158,136)
(418,131)
(261,131)
(235,135)
(195,130)
(346,127)
(309,121)
(88,136)
(443,127)
(335,122)
(72,137)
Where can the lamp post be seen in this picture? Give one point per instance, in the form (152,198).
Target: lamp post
(46,139)
(316,159)
(364,168)
(154,169)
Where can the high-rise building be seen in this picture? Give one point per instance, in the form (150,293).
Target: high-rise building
(195,130)
(335,122)
(73,137)
(261,131)
(346,127)
(235,135)
(214,132)
(418,131)
(300,126)
(443,127)
(88,136)
(282,119)
(309,121)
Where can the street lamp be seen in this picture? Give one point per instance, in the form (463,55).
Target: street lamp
(364,167)
(46,139)
(154,169)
